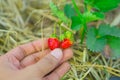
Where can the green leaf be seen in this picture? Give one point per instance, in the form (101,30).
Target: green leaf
(76,9)
(89,16)
(93,43)
(76,23)
(99,14)
(58,13)
(103,5)
(90,2)
(115,47)
(106,5)
(69,11)
(107,30)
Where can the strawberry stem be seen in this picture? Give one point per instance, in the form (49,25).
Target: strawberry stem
(60,31)
(77,9)
(54,29)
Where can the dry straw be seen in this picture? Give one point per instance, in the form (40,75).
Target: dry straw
(17,26)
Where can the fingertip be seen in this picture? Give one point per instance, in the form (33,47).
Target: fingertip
(68,51)
(67,54)
(57,53)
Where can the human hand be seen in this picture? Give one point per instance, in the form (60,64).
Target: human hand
(26,62)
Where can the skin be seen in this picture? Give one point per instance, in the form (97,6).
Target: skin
(28,62)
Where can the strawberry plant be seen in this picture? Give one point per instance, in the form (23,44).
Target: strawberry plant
(96,38)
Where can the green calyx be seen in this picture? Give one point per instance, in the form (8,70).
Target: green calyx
(62,37)
(67,35)
(53,36)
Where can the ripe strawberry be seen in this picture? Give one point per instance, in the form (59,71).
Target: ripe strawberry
(66,43)
(53,43)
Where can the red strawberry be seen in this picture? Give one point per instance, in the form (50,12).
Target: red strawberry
(53,43)
(66,43)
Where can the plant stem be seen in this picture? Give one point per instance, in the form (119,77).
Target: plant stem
(54,29)
(60,30)
(85,8)
(83,32)
(84,55)
(67,28)
(77,9)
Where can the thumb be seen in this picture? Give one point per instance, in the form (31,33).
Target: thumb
(47,64)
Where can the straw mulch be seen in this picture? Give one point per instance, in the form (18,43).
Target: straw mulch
(22,21)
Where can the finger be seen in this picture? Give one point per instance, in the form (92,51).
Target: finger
(23,50)
(67,54)
(46,64)
(32,59)
(59,72)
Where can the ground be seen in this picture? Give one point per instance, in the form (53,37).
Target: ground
(22,21)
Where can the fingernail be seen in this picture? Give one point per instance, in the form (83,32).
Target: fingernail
(57,53)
